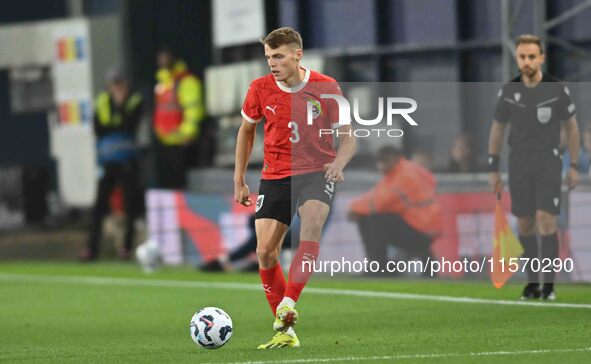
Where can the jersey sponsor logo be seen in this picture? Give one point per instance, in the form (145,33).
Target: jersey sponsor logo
(259,203)
(272,109)
(544,114)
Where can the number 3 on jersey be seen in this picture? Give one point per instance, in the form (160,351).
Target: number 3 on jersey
(294,131)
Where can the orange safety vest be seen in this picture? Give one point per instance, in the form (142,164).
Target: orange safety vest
(408,190)
(168,112)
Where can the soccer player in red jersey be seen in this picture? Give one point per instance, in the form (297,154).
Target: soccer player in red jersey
(300,169)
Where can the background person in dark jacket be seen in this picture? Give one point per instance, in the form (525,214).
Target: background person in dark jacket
(118,112)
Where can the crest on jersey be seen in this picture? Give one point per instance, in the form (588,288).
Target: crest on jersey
(316,107)
(544,114)
(259,203)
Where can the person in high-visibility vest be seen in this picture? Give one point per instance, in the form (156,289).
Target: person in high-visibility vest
(178,114)
(401,209)
(118,112)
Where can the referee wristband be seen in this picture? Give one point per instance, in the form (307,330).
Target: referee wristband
(493,163)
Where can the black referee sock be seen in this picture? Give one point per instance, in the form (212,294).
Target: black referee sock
(550,251)
(530,250)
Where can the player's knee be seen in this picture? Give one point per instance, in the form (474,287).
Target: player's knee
(546,222)
(312,228)
(526,226)
(267,256)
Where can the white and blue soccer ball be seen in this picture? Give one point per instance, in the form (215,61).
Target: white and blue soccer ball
(149,255)
(211,328)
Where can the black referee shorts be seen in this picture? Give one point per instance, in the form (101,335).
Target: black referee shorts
(534,182)
(279,198)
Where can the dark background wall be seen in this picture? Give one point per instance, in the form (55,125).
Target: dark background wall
(20,11)
(183,25)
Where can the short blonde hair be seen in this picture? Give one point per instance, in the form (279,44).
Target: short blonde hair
(283,36)
(530,39)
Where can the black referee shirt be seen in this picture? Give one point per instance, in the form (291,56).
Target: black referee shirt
(535,113)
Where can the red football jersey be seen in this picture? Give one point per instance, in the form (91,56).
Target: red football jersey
(292,146)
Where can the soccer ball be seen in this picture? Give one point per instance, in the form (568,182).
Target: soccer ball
(211,327)
(149,255)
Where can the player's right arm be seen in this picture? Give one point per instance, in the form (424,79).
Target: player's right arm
(244,143)
(251,115)
(495,142)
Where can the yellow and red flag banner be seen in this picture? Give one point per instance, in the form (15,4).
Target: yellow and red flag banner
(506,250)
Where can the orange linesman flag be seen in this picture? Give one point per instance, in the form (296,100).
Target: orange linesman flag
(505,247)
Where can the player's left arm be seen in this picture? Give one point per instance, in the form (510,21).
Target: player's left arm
(573,143)
(346,150)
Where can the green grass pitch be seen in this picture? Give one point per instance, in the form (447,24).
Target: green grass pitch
(55,313)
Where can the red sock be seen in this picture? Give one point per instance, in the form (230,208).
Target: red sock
(299,273)
(274,285)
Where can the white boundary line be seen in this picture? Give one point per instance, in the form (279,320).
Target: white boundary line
(417,356)
(105,281)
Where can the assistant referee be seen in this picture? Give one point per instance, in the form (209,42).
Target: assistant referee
(537,106)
